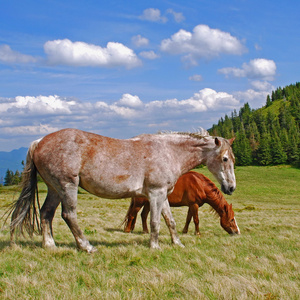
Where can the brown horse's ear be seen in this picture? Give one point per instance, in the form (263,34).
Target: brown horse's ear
(225,209)
(217,142)
(231,140)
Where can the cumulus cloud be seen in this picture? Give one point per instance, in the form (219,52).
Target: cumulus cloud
(153,15)
(7,55)
(203,42)
(30,116)
(139,41)
(256,99)
(262,85)
(130,101)
(66,52)
(42,105)
(258,68)
(149,54)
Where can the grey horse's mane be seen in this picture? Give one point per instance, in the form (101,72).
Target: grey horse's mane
(198,134)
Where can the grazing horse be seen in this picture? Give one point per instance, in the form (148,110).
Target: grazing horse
(193,190)
(147,165)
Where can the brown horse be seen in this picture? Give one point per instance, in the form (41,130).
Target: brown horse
(193,190)
(148,165)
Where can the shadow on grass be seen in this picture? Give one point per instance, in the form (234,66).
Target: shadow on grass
(72,245)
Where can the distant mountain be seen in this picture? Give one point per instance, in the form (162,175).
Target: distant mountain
(12,160)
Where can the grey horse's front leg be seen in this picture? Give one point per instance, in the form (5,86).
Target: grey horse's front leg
(156,199)
(167,214)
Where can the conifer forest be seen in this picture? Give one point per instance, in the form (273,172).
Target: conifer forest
(266,136)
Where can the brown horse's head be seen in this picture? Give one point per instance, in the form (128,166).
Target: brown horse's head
(228,221)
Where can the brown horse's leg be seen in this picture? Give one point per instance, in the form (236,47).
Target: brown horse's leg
(194,211)
(188,220)
(144,216)
(47,213)
(167,214)
(69,214)
(136,208)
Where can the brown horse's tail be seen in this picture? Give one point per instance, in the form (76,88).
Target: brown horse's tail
(24,210)
(126,219)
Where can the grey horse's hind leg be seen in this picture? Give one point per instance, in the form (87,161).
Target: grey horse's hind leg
(47,213)
(167,214)
(69,214)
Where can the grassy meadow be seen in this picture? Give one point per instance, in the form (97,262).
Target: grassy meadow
(262,263)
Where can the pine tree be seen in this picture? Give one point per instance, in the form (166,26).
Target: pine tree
(268,102)
(242,149)
(263,152)
(277,151)
(8,179)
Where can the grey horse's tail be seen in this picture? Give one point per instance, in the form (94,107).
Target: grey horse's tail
(24,210)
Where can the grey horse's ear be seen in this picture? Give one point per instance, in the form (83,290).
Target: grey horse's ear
(231,140)
(217,142)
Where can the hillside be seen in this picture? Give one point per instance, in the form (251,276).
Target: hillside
(269,135)
(12,161)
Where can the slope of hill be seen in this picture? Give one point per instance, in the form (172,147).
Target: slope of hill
(12,161)
(269,135)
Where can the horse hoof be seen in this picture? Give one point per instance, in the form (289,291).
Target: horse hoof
(180,245)
(91,250)
(155,246)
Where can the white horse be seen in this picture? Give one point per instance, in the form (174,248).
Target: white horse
(147,165)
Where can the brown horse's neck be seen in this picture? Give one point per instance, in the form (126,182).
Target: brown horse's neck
(215,199)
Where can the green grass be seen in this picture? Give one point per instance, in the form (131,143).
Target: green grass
(262,263)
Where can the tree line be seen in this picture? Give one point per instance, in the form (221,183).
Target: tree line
(266,136)
(12,178)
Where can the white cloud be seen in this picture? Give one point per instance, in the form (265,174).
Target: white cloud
(24,115)
(203,42)
(259,68)
(130,101)
(66,52)
(256,99)
(196,77)
(149,54)
(140,41)
(29,130)
(7,55)
(178,17)
(42,105)
(262,85)
(153,15)
(209,99)
(28,118)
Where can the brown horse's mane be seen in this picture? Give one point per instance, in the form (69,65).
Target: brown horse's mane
(215,199)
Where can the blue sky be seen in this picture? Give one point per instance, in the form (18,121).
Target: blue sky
(123,68)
